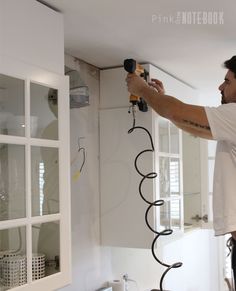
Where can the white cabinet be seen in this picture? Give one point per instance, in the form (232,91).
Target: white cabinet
(122,209)
(35,178)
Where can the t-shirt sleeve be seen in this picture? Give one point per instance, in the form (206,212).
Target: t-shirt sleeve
(222,121)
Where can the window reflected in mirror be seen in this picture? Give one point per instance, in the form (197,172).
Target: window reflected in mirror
(44,112)
(45,180)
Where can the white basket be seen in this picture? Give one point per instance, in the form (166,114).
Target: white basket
(1,258)
(6,254)
(13,268)
(14,271)
(11,254)
(38,266)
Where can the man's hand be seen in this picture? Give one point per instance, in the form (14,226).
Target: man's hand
(157,84)
(136,85)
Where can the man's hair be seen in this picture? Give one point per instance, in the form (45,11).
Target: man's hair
(231,65)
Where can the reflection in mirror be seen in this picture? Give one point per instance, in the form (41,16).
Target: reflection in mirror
(211,145)
(13,268)
(45,180)
(191,179)
(12,100)
(211,166)
(46,249)
(44,112)
(165,216)
(175,214)
(164,176)
(12,181)
(174,139)
(163,135)
(174,177)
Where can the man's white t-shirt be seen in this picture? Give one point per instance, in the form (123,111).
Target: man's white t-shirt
(222,121)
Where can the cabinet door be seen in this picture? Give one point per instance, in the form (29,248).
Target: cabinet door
(34,178)
(196,170)
(122,209)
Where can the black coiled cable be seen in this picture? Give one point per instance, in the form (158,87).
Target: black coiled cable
(159,202)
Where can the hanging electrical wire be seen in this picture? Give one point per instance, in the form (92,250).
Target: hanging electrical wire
(77,158)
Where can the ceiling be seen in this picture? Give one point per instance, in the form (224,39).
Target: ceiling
(105,32)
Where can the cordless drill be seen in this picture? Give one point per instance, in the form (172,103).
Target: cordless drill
(131,66)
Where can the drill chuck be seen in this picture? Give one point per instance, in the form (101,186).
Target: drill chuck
(130,65)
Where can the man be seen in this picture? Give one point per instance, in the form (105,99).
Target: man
(217,123)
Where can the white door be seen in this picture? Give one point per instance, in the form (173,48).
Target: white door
(34,178)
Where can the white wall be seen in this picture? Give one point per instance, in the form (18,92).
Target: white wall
(198,251)
(91,262)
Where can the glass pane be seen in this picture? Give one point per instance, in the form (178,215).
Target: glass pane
(191,164)
(164,177)
(210,207)
(45,180)
(163,135)
(12,104)
(44,112)
(46,249)
(174,177)
(211,148)
(175,214)
(165,216)
(174,139)
(12,181)
(13,265)
(211,166)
